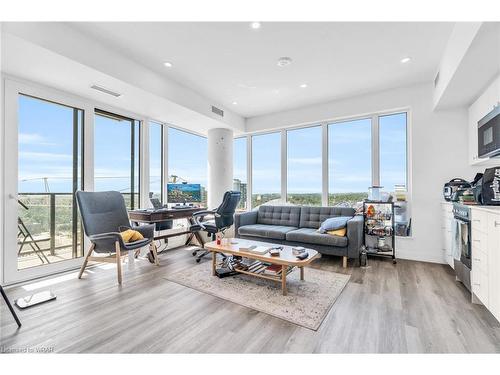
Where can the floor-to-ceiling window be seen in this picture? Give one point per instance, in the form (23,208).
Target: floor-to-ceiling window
(304,172)
(349,161)
(116,155)
(50,144)
(240,180)
(393,151)
(156,160)
(187,164)
(266,169)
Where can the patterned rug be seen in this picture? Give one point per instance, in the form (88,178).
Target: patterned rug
(307,303)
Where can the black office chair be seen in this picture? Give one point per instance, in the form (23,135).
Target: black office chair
(223,218)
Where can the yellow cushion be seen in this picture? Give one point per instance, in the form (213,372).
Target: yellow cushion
(131,235)
(338,232)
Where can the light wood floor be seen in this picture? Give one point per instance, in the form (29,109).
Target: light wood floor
(408,307)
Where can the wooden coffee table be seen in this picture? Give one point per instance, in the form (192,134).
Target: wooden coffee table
(287,260)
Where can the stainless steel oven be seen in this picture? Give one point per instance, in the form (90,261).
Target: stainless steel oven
(462,243)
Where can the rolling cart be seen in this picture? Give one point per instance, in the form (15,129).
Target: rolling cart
(379,234)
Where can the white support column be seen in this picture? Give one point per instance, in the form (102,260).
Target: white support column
(220,164)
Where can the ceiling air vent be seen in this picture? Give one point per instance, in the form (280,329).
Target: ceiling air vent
(106,91)
(218,111)
(436,80)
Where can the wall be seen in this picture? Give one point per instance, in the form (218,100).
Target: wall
(437,149)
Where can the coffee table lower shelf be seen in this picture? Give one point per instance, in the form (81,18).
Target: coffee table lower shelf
(285,270)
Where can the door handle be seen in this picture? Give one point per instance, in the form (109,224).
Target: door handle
(476,240)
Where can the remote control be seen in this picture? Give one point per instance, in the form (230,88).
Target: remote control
(302,256)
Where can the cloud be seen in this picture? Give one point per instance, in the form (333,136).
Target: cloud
(44,156)
(33,138)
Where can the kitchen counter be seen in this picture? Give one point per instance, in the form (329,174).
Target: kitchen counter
(491,209)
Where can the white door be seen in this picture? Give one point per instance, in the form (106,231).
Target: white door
(44,154)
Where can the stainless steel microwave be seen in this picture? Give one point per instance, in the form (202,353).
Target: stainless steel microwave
(488,134)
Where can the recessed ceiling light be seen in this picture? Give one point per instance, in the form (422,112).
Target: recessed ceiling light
(255,25)
(304,85)
(404,60)
(168,64)
(235,103)
(284,61)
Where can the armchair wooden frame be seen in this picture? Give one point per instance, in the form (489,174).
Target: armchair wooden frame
(115,258)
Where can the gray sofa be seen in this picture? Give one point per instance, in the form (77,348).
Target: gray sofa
(297,226)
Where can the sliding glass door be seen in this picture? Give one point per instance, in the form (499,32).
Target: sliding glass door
(43,170)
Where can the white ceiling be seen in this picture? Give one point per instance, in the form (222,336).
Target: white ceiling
(232,62)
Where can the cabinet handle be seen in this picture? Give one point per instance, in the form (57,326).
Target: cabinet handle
(477,284)
(476,240)
(497,223)
(477,259)
(476,220)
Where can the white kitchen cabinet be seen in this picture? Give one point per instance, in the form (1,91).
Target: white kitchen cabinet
(485,277)
(493,246)
(446,222)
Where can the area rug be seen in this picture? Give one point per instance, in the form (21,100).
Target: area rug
(307,303)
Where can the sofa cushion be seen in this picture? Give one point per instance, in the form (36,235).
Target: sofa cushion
(279,215)
(312,217)
(277,232)
(312,236)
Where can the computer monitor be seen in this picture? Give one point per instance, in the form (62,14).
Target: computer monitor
(181,193)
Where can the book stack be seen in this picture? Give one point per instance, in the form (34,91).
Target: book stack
(259,250)
(275,270)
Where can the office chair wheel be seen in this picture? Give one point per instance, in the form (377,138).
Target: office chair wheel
(198,260)
(194,253)
(151,257)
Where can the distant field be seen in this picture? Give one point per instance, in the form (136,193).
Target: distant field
(311,199)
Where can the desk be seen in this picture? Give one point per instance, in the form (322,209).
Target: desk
(164,214)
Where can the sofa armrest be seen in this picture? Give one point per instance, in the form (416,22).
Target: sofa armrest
(244,218)
(354,236)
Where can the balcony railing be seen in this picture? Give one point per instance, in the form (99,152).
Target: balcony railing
(49,230)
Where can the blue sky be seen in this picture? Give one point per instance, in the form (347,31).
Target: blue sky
(45,150)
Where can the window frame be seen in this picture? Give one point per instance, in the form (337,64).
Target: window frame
(375,150)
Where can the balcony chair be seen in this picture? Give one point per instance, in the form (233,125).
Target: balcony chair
(104,216)
(223,218)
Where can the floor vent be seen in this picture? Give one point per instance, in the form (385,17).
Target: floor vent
(106,91)
(218,111)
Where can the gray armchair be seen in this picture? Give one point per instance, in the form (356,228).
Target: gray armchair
(104,216)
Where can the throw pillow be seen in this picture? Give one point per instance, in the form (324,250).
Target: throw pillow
(338,232)
(334,223)
(131,235)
